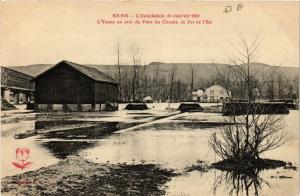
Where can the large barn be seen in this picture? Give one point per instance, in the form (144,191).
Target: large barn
(69,86)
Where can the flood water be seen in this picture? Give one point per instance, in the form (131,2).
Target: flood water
(175,142)
(66,138)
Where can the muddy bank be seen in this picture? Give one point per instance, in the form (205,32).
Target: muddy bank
(200,166)
(244,167)
(78,176)
(240,168)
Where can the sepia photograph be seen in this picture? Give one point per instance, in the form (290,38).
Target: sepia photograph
(179,98)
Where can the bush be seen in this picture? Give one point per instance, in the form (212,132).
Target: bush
(252,135)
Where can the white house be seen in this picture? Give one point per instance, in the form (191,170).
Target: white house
(214,93)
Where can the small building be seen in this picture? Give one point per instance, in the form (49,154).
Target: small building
(148,99)
(69,86)
(215,93)
(198,95)
(16,87)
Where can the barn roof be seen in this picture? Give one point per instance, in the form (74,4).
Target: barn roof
(91,72)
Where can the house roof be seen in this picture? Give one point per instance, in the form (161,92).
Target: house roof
(217,85)
(91,72)
(147,98)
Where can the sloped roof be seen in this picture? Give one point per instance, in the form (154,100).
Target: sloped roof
(216,85)
(147,98)
(91,72)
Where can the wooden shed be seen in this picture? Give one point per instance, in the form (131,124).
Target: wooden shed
(69,86)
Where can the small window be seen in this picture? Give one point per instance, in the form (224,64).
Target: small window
(221,92)
(211,92)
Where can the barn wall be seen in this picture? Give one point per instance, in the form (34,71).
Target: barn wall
(106,92)
(64,85)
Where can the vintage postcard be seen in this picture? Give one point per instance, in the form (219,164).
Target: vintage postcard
(149,98)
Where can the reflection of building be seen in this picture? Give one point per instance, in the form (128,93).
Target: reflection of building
(215,93)
(72,87)
(16,87)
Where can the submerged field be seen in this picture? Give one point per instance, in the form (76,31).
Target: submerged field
(71,156)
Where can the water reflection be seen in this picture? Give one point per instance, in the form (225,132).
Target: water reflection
(70,144)
(62,149)
(236,183)
(69,141)
(47,124)
(90,131)
(73,129)
(179,125)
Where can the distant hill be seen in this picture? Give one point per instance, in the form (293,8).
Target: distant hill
(202,71)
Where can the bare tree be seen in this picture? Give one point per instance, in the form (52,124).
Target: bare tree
(179,89)
(249,137)
(126,83)
(157,83)
(270,82)
(172,77)
(293,88)
(136,63)
(119,70)
(252,133)
(139,79)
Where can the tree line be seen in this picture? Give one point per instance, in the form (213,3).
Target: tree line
(135,81)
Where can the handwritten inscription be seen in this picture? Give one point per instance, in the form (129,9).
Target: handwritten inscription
(230,8)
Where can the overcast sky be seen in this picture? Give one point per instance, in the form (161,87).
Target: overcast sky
(34,33)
